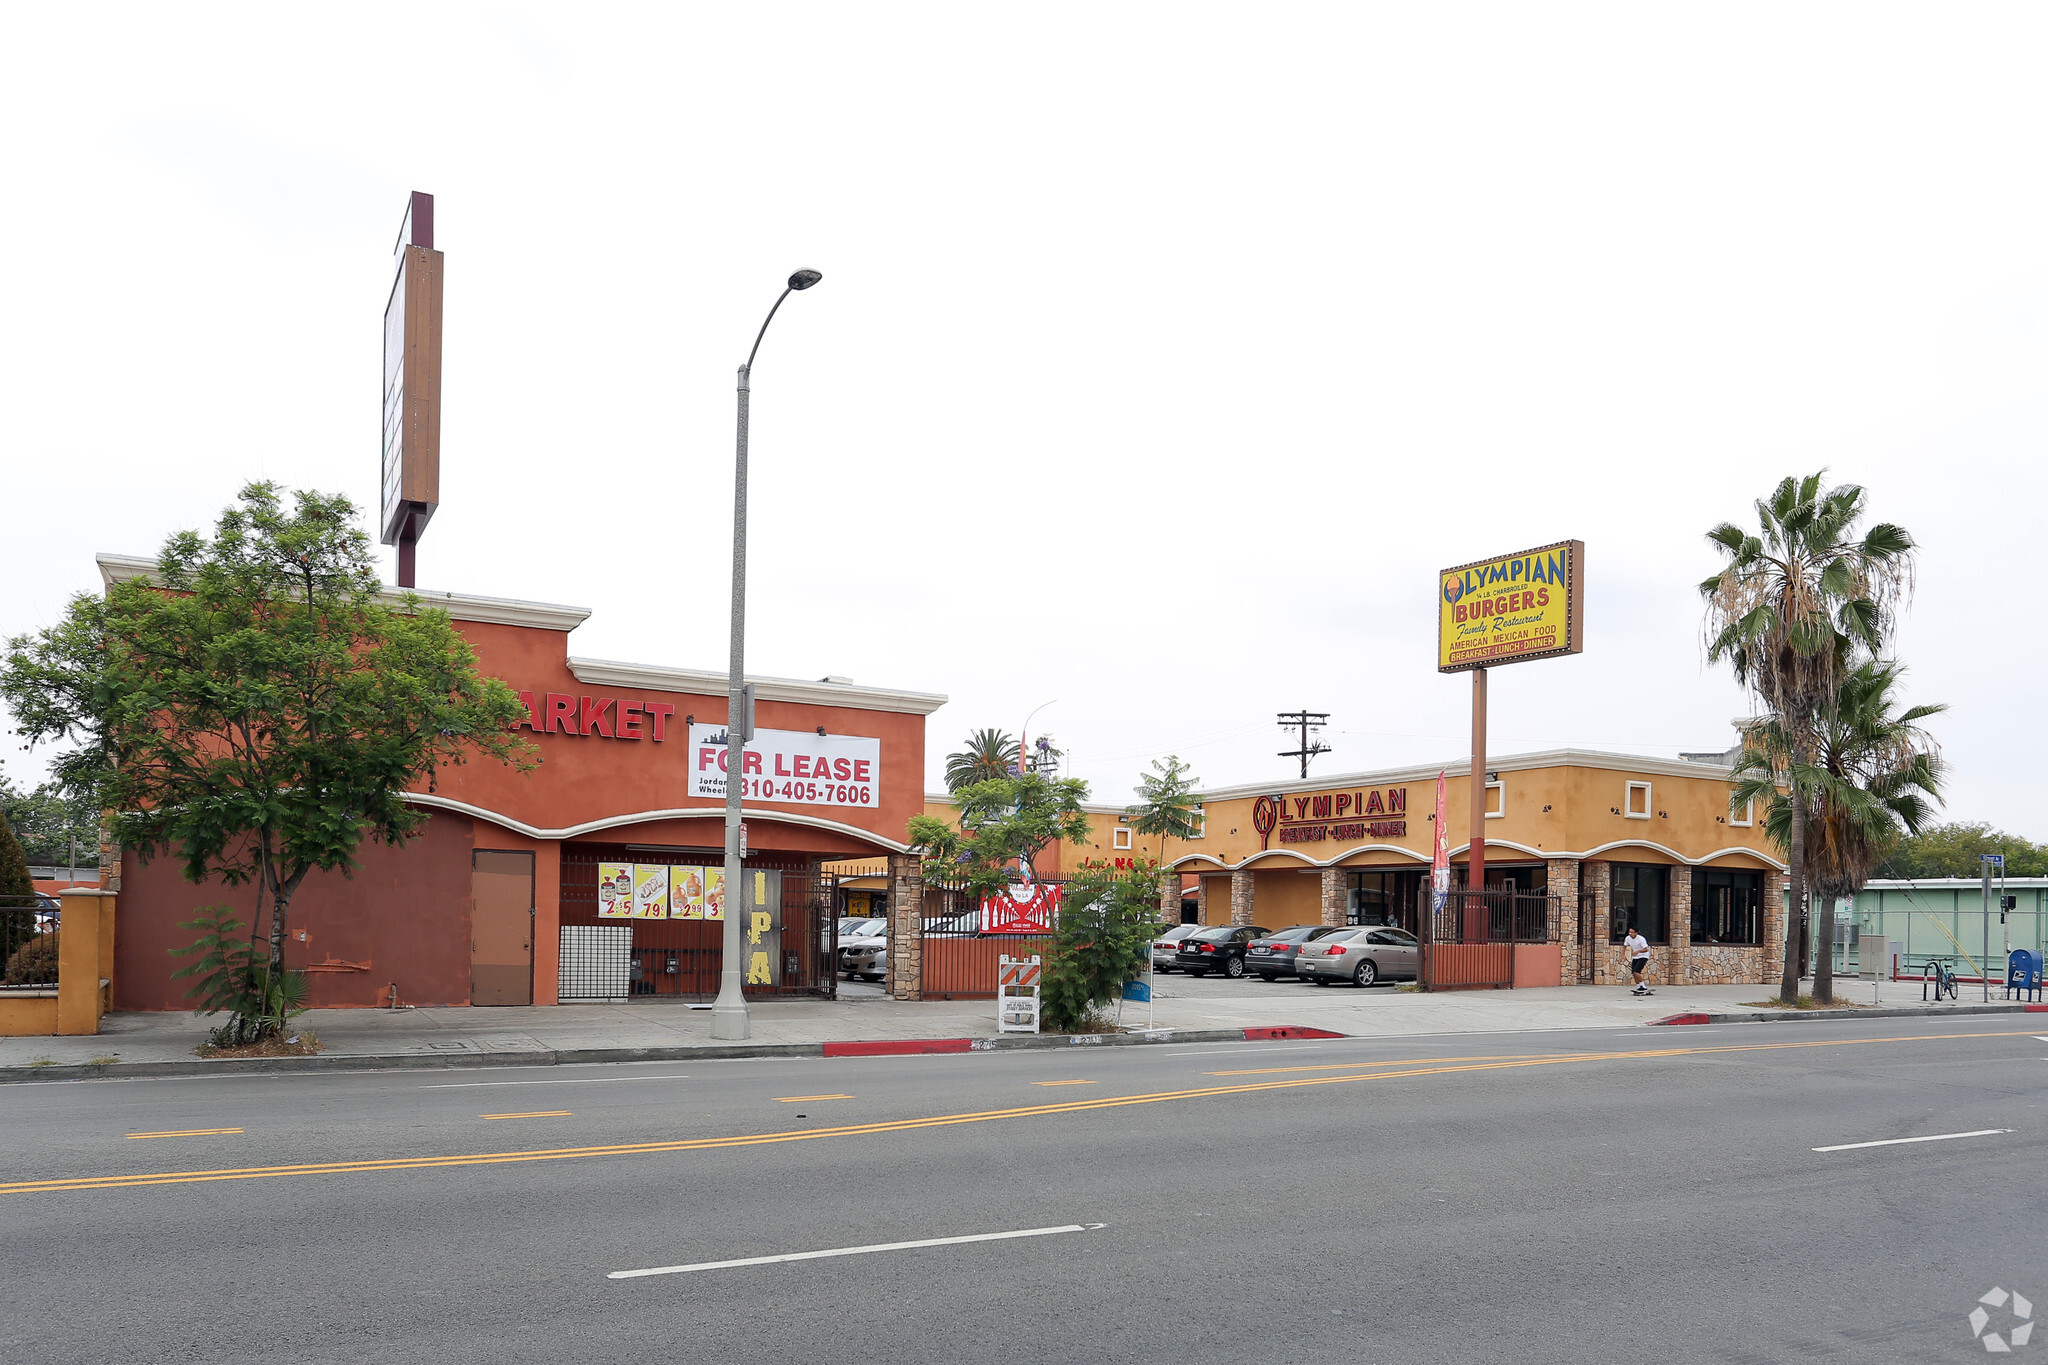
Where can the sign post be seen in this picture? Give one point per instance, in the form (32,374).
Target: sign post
(1504,611)
(1992,862)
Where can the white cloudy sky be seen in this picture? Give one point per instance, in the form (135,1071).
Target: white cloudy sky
(1164,352)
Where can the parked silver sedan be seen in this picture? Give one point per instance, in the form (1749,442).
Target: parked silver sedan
(1361,956)
(1168,943)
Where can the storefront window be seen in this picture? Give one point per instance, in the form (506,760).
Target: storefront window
(1383,898)
(1640,897)
(1727,907)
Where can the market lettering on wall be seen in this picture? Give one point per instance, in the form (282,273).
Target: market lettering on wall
(1377,813)
(553,713)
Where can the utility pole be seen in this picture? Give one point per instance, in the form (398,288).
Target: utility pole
(1307,722)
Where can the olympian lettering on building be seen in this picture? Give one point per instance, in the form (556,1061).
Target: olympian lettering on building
(1332,816)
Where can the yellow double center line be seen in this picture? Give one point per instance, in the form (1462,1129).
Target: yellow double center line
(1398,1071)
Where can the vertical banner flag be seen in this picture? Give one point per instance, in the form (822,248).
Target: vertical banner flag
(615,891)
(1440,865)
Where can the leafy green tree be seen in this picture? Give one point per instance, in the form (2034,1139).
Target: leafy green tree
(1954,849)
(990,756)
(47,822)
(1167,807)
(1784,611)
(17,888)
(259,709)
(1108,919)
(1004,824)
(18,932)
(1874,777)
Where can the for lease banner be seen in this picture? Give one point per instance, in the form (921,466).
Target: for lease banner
(800,767)
(1502,611)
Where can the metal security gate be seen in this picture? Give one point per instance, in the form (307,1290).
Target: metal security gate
(961,962)
(1470,943)
(787,928)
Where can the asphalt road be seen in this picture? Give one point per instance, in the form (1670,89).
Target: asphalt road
(1638,1194)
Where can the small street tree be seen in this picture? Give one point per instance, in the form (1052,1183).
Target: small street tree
(1166,809)
(990,756)
(1108,919)
(1874,776)
(1784,611)
(259,708)
(1004,824)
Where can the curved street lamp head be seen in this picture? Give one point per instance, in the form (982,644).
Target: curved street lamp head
(804,279)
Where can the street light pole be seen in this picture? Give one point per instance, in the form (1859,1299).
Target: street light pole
(729,1021)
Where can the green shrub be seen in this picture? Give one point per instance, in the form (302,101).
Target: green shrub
(35,962)
(229,976)
(1107,922)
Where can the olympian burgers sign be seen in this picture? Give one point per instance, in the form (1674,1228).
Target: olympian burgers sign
(1508,610)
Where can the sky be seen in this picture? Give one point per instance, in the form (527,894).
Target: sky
(1163,353)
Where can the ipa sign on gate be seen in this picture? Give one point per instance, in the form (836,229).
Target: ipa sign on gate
(798,766)
(1507,610)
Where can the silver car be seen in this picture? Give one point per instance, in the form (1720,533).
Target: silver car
(1362,956)
(864,950)
(1168,943)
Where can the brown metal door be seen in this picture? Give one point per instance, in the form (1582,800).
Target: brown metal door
(501,928)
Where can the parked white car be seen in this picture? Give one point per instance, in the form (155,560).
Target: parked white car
(1168,943)
(864,950)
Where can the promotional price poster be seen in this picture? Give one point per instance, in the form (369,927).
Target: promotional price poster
(801,767)
(615,891)
(650,891)
(686,893)
(714,893)
(1501,611)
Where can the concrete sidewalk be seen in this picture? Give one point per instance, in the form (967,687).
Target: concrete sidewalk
(1211,1008)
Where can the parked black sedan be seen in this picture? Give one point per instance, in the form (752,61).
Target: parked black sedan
(1272,957)
(1216,950)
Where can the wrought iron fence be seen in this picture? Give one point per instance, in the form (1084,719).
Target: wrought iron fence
(959,954)
(1470,942)
(28,943)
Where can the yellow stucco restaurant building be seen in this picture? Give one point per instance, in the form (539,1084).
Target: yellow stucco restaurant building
(1613,839)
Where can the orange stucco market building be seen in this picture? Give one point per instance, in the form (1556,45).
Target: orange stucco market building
(507,895)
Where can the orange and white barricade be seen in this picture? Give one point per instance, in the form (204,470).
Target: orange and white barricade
(1017,994)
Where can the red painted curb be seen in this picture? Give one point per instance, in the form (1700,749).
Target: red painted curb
(2034,1009)
(909,1047)
(1684,1019)
(1253,1035)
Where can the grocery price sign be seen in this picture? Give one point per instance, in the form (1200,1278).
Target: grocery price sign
(1507,610)
(800,767)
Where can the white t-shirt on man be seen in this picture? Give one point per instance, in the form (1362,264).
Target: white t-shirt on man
(1637,945)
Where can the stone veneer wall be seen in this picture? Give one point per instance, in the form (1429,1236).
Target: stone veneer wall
(1336,892)
(1564,902)
(906,927)
(1681,962)
(1240,897)
(1169,897)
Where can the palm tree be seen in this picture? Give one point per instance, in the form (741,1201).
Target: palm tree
(1167,805)
(1874,777)
(1784,610)
(990,754)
